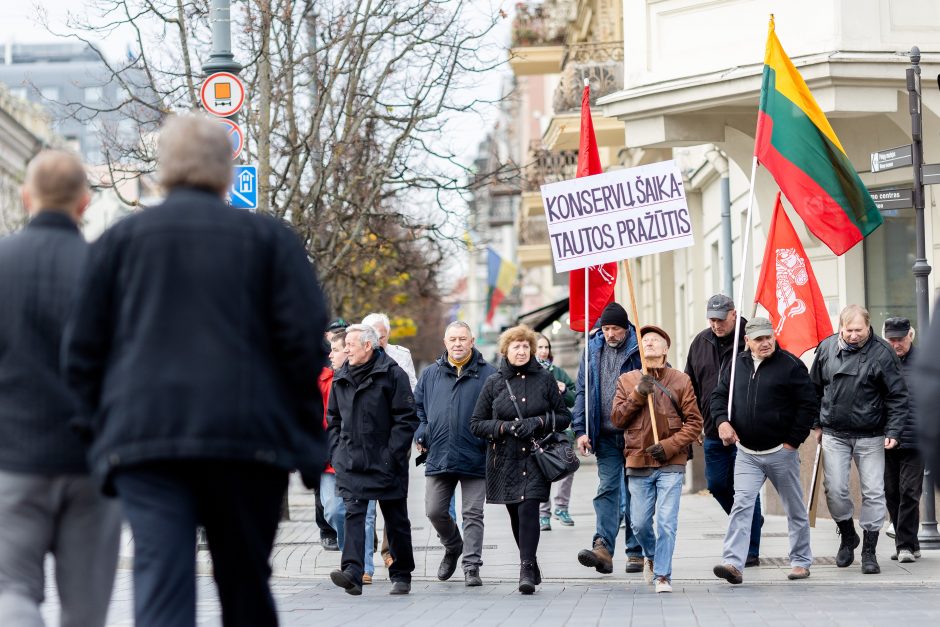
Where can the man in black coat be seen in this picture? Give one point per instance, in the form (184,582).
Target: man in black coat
(446,394)
(194,348)
(372,419)
(773,407)
(904,466)
(863,406)
(48,503)
(710,351)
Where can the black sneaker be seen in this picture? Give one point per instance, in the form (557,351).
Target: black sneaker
(449,563)
(471,578)
(346,581)
(400,587)
(329,543)
(752,560)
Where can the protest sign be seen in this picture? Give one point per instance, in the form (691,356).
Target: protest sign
(617,215)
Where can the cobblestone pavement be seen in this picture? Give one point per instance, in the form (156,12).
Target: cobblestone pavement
(904,595)
(315,602)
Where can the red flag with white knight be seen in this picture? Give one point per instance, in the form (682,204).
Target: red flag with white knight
(601,279)
(788,290)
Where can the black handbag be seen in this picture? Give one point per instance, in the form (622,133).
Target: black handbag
(553,453)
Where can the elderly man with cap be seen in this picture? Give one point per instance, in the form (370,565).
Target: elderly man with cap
(773,408)
(610,353)
(904,467)
(709,353)
(655,466)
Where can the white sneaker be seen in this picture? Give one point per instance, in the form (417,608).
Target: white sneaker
(905,556)
(648,570)
(663,585)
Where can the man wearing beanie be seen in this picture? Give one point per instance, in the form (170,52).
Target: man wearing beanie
(611,352)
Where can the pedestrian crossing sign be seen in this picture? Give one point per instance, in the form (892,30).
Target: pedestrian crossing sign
(243,193)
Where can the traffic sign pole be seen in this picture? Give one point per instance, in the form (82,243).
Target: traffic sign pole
(928,537)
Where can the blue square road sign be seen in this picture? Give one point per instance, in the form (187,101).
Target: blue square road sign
(243,194)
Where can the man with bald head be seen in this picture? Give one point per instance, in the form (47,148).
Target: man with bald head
(48,503)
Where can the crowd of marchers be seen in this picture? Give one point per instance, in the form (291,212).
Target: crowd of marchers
(171,374)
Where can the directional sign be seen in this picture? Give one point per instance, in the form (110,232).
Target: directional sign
(243,194)
(891,199)
(891,158)
(235,135)
(930,173)
(222,94)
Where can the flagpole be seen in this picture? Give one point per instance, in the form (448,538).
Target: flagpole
(737,322)
(587,353)
(636,322)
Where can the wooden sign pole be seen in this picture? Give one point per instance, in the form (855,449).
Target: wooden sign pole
(636,322)
(814,486)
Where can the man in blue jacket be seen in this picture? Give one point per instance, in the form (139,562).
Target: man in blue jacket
(612,352)
(446,394)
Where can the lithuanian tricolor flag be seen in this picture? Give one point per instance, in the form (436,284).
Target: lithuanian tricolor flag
(500,277)
(799,148)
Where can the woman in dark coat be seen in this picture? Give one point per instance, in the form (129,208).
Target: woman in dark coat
(512,474)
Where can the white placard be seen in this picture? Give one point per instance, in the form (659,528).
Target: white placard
(617,215)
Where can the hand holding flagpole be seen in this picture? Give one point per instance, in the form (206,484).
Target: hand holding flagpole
(636,322)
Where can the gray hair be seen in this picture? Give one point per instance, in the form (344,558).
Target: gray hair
(194,151)
(366,334)
(372,318)
(458,324)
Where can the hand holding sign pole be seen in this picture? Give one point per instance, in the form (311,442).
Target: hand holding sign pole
(643,368)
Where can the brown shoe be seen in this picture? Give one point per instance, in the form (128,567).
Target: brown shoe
(634,564)
(597,558)
(798,572)
(728,573)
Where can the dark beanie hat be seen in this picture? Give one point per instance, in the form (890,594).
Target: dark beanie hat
(615,314)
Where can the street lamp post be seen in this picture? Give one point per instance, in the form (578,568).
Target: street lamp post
(221,58)
(928,537)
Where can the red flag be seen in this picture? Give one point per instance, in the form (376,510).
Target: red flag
(788,290)
(601,279)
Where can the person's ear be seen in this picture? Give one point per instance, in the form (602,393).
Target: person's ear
(81,206)
(27,199)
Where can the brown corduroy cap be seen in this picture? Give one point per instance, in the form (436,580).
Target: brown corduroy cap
(647,328)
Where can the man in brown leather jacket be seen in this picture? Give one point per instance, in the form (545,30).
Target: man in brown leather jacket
(656,467)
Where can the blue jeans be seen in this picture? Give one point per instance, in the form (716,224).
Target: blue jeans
(656,494)
(608,509)
(370,539)
(719,474)
(334,509)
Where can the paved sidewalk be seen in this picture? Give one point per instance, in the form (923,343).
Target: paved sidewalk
(907,595)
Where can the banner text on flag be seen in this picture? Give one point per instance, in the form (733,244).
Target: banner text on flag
(617,215)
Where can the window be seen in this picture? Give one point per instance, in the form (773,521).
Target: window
(50,93)
(889,258)
(93,94)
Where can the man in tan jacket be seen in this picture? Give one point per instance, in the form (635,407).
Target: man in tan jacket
(656,470)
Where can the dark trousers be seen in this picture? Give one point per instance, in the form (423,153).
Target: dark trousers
(524,518)
(326,531)
(719,474)
(398,528)
(904,481)
(238,503)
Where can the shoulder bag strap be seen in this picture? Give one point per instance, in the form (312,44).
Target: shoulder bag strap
(672,399)
(512,397)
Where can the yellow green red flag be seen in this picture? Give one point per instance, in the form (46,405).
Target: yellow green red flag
(797,145)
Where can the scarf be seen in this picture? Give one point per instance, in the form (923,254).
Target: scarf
(460,364)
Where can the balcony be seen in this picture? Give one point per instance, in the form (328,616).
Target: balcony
(538,37)
(545,166)
(548,166)
(602,65)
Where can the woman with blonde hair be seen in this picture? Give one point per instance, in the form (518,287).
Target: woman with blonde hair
(519,403)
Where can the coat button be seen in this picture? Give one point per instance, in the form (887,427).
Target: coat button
(523,399)
(523,449)
(523,376)
(523,473)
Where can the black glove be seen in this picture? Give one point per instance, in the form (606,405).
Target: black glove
(657,452)
(645,386)
(523,429)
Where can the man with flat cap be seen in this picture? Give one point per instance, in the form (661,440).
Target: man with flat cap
(773,408)
(611,352)
(904,467)
(655,466)
(709,353)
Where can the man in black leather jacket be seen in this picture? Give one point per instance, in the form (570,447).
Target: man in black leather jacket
(863,406)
